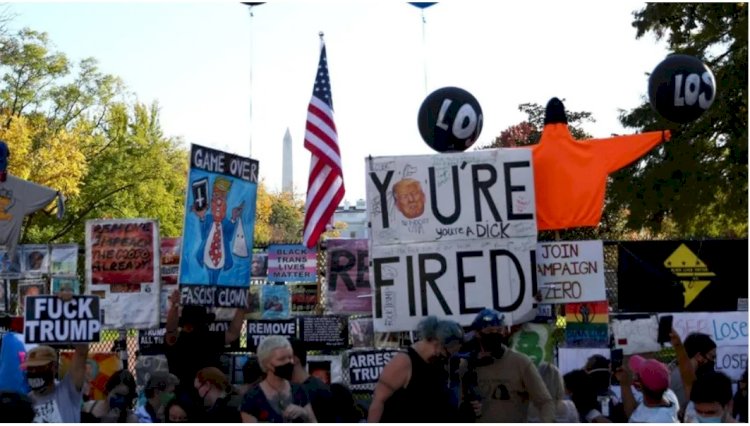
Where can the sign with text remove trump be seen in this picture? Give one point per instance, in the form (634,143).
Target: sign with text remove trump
(217,243)
(468,221)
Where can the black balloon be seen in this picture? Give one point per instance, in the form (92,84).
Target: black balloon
(681,88)
(450,119)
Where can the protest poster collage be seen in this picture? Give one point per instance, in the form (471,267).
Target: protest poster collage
(419,260)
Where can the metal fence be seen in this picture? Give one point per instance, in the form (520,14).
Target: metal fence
(111,341)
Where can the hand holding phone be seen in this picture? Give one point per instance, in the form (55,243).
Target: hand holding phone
(665,328)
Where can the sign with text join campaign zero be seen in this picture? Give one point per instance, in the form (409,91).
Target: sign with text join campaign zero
(451,235)
(49,319)
(570,271)
(217,242)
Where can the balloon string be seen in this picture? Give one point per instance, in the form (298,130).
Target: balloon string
(424,51)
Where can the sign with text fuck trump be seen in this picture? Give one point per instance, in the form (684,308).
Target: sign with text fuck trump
(49,319)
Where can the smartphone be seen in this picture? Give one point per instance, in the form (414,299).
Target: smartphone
(665,328)
(615,357)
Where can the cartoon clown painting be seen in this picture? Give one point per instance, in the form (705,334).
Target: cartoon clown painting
(217,231)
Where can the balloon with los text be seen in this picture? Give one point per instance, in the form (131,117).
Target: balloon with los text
(348,281)
(469,222)
(122,268)
(217,244)
(49,319)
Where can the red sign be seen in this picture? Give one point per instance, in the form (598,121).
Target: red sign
(122,255)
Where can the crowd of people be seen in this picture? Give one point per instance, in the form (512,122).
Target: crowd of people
(444,376)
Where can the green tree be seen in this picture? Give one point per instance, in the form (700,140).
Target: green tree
(287,217)
(698,181)
(67,130)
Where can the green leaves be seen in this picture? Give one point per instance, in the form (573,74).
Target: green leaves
(66,130)
(698,180)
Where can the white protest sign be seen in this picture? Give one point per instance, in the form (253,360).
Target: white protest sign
(636,336)
(122,268)
(725,328)
(570,271)
(469,221)
(485,194)
(453,281)
(569,359)
(731,360)
(49,319)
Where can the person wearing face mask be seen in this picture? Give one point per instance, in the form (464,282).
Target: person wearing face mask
(159,390)
(194,338)
(55,402)
(506,380)
(695,356)
(413,386)
(117,407)
(711,396)
(220,402)
(276,399)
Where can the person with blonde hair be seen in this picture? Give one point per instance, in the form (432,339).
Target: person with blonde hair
(565,409)
(413,386)
(276,399)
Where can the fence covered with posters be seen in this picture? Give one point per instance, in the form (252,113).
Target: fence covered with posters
(353,352)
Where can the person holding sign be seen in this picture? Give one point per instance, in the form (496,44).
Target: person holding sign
(195,346)
(413,386)
(56,402)
(276,399)
(61,402)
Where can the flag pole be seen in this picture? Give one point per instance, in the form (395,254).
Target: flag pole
(250,141)
(424,51)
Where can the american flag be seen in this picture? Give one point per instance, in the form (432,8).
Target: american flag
(325,186)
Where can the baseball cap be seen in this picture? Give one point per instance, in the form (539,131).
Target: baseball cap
(653,374)
(487,318)
(40,355)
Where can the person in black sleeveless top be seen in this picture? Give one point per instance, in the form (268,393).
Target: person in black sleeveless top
(413,386)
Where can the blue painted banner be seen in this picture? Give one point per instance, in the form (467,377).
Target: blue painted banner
(586,335)
(216,256)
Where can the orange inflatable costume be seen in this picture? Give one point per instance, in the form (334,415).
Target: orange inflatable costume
(570,176)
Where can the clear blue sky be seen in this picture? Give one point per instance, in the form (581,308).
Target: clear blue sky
(195,60)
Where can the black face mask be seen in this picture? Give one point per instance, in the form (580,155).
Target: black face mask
(493,343)
(118,401)
(708,367)
(284,371)
(38,380)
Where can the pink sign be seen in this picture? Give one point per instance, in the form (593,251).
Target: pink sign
(348,272)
